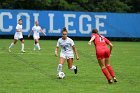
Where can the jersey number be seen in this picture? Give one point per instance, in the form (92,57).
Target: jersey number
(65,47)
(101,39)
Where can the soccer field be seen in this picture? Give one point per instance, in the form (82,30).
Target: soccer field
(35,71)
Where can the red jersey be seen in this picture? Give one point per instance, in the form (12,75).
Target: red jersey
(100,43)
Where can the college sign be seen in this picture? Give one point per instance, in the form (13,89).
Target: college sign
(78,23)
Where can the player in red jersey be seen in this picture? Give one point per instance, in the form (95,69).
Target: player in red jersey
(103,54)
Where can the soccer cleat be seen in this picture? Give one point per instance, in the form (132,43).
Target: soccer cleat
(34,49)
(22,51)
(39,49)
(9,50)
(114,79)
(110,81)
(76,70)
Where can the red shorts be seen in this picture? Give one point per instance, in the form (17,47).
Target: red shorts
(102,53)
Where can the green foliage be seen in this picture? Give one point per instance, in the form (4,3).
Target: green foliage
(135,5)
(74,5)
(112,6)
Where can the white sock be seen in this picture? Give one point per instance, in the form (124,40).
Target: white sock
(59,69)
(73,67)
(22,46)
(38,46)
(35,46)
(12,44)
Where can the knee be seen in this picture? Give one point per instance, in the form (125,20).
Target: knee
(22,41)
(102,66)
(36,42)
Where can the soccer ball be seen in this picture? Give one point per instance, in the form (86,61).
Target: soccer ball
(61,75)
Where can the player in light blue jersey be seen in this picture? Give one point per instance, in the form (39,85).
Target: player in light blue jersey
(67,51)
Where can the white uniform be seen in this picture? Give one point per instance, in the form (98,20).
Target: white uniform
(36,30)
(66,48)
(18,35)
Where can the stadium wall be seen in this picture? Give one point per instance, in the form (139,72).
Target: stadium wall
(79,24)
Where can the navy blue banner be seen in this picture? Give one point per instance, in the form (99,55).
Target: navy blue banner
(78,23)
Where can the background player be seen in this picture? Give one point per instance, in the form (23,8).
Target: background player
(67,48)
(36,29)
(18,36)
(103,54)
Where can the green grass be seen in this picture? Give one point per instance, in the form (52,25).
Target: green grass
(35,71)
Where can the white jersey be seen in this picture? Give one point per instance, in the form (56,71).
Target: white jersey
(66,45)
(18,35)
(36,30)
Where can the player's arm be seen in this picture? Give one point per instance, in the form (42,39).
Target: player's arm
(57,47)
(18,28)
(56,51)
(109,43)
(91,40)
(111,46)
(75,51)
(42,32)
(30,33)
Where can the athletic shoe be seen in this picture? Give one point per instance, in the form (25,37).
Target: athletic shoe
(110,81)
(76,70)
(9,50)
(22,51)
(34,49)
(114,79)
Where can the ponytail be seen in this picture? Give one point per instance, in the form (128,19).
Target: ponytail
(100,36)
(96,32)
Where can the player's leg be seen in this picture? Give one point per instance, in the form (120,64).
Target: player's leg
(12,44)
(61,62)
(107,64)
(104,70)
(22,45)
(70,66)
(110,69)
(37,43)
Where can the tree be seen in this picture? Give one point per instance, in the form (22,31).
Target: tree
(134,4)
(74,5)
(111,6)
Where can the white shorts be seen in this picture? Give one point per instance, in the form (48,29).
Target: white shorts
(66,55)
(36,37)
(18,36)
